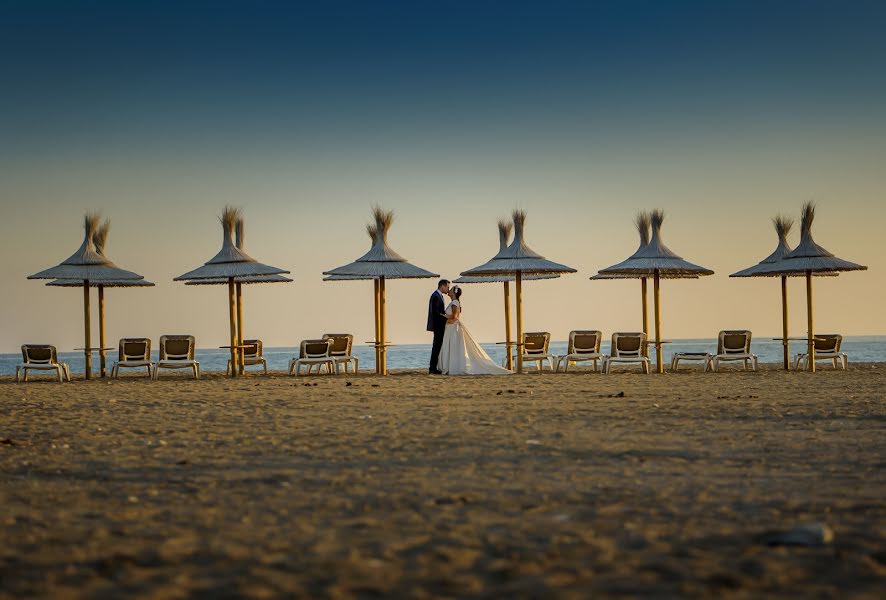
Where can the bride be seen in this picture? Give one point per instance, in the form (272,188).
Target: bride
(460,354)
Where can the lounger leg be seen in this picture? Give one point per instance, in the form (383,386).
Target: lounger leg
(17,369)
(264,364)
(646,367)
(25,371)
(58,371)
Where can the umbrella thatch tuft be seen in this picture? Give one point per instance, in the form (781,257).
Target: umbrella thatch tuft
(807,216)
(239,234)
(783,225)
(100,236)
(643,222)
(504,234)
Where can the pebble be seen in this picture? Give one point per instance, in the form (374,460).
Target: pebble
(806,534)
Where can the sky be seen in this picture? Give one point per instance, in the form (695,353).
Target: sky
(452,114)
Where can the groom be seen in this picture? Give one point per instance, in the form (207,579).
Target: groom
(437,322)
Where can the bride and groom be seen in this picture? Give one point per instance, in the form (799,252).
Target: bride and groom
(454,351)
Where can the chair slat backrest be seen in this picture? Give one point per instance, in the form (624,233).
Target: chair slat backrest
(584,342)
(342,343)
(252,349)
(177,347)
(315,348)
(42,354)
(134,349)
(736,341)
(536,342)
(828,342)
(628,344)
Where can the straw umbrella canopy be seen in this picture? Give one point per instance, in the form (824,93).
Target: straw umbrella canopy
(504,235)
(379,264)
(642,221)
(99,240)
(783,226)
(229,264)
(657,261)
(808,259)
(518,260)
(239,282)
(89,267)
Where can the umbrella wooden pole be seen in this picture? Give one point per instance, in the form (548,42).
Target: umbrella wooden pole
(101,330)
(233,322)
(382,327)
(659,363)
(519,286)
(786,349)
(242,363)
(509,363)
(810,343)
(87,337)
(375,318)
(645,303)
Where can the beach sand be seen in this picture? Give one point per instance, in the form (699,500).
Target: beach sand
(573,486)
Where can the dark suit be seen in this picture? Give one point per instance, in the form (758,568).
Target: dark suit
(436,324)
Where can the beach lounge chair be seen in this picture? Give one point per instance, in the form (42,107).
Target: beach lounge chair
(252,355)
(313,353)
(627,348)
(734,345)
(342,346)
(177,352)
(535,349)
(705,357)
(41,357)
(133,353)
(583,346)
(827,347)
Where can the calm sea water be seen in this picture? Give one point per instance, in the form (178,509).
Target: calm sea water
(416,356)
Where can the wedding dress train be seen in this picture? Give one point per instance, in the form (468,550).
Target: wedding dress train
(461,355)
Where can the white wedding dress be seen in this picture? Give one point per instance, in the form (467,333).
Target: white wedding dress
(461,355)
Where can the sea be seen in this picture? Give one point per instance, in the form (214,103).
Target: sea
(416,356)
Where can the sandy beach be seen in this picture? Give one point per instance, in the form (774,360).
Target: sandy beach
(573,486)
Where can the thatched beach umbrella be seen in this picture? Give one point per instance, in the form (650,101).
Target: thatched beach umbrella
(229,264)
(379,264)
(809,259)
(657,261)
(504,235)
(783,226)
(99,240)
(518,260)
(239,282)
(643,223)
(88,266)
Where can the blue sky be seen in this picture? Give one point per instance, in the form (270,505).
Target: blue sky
(452,114)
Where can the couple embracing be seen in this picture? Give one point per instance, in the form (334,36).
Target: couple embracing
(454,351)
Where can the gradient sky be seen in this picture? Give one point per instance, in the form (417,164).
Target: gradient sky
(451,114)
